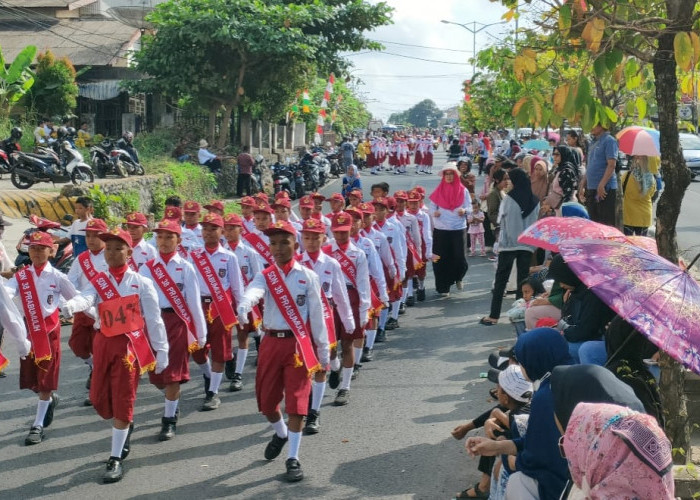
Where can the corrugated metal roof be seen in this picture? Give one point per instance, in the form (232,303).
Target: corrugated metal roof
(84,42)
(45,3)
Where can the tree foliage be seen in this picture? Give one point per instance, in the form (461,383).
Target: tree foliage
(424,114)
(15,79)
(54,92)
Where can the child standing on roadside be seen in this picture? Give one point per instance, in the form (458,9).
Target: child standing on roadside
(476,229)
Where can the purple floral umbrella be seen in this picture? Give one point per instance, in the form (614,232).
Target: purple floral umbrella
(657,297)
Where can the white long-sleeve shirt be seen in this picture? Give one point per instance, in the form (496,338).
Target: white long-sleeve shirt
(184,276)
(51,285)
(332,282)
(76,275)
(396,236)
(226,266)
(304,286)
(142,252)
(374,264)
(204,155)
(410,222)
(426,232)
(358,258)
(11,318)
(381,245)
(249,260)
(450,220)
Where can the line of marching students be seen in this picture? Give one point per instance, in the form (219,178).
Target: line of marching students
(314,291)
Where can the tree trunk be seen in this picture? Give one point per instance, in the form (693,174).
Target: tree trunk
(225,130)
(676,178)
(211,127)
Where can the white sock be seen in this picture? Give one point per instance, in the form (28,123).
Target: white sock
(294,443)
(89,362)
(404,295)
(409,289)
(118,440)
(383,316)
(170,408)
(41,409)
(335,364)
(317,391)
(215,382)
(395,309)
(421,284)
(240,360)
(280,428)
(347,375)
(370,335)
(358,354)
(206,369)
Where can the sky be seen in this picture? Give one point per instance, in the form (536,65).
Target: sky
(390,83)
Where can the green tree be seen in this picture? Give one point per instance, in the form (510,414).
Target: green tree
(15,79)
(399,118)
(424,114)
(54,92)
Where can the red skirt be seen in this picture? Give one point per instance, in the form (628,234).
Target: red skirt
(178,370)
(82,335)
(114,383)
(418,158)
(372,160)
(428,159)
(277,377)
(44,378)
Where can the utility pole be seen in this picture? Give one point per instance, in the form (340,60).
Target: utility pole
(473,30)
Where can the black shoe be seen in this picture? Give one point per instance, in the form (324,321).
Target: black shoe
(35,436)
(113,471)
(207,381)
(392,324)
(313,422)
(126,449)
(48,418)
(381,336)
(355,371)
(230,368)
(342,398)
(402,308)
(89,380)
(334,379)
(410,302)
(211,402)
(366,355)
(294,472)
(87,401)
(257,343)
(236,383)
(420,295)
(167,429)
(274,447)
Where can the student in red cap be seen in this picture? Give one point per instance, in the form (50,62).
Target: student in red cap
(81,271)
(40,287)
(414,243)
(283,212)
(284,195)
(13,324)
(177,286)
(215,207)
(257,238)
(192,229)
(317,212)
(337,203)
(337,310)
(425,225)
(250,264)
(293,315)
(261,196)
(353,262)
(141,252)
(124,344)
(307,210)
(221,286)
(248,205)
(355,197)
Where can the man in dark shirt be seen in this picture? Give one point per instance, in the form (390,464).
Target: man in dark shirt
(245,169)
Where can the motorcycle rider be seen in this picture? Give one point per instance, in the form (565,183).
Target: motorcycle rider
(126,143)
(11,144)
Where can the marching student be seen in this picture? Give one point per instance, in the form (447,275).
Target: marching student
(414,244)
(337,203)
(215,207)
(284,195)
(293,315)
(337,311)
(355,197)
(250,264)
(192,229)
(141,252)
(179,299)
(256,238)
(247,206)
(82,271)
(353,263)
(220,284)
(39,287)
(414,207)
(13,324)
(283,211)
(122,351)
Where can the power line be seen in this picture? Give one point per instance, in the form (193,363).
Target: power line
(452,75)
(422,46)
(408,57)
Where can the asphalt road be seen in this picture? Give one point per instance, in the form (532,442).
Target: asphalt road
(392,440)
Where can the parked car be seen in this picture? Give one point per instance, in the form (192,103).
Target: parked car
(690,144)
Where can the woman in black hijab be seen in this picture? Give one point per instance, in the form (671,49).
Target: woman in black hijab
(564,183)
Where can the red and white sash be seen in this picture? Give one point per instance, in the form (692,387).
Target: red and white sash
(165,282)
(327,312)
(36,325)
(244,230)
(3,362)
(87,267)
(347,265)
(121,315)
(221,300)
(261,247)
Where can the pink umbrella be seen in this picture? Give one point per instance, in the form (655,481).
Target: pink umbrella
(641,141)
(549,232)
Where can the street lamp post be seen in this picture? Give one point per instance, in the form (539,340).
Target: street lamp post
(473,30)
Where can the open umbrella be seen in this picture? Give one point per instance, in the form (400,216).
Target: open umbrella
(538,144)
(642,141)
(551,135)
(549,232)
(657,297)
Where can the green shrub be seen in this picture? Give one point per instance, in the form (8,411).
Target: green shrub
(155,145)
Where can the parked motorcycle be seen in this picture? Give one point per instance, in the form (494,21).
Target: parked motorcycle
(282,179)
(63,253)
(324,168)
(256,179)
(49,166)
(7,147)
(108,159)
(336,168)
(310,168)
(298,183)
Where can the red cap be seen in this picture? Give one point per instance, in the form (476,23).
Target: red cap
(137,219)
(41,238)
(215,205)
(414,195)
(318,196)
(248,201)
(262,206)
(282,202)
(281,226)
(421,191)
(391,202)
(356,213)
(335,197)
(117,234)
(312,225)
(233,220)
(262,196)
(172,213)
(191,206)
(213,219)
(367,208)
(306,202)
(381,201)
(169,226)
(401,195)
(96,225)
(281,195)
(357,193)
(341,222)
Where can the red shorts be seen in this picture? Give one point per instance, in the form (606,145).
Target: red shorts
(114,384)
(420,273)
(44,379)
(218,342)
(394,293)
(359,331)
(178,370)
(243,332)
(278,377)
(82,335)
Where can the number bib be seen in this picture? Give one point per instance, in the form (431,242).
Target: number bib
(120,316)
